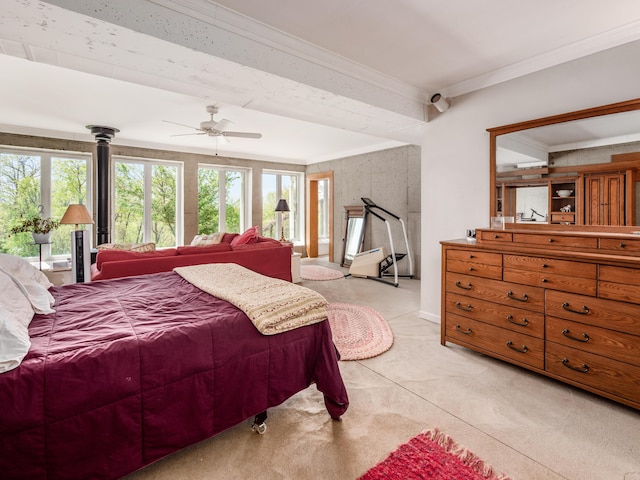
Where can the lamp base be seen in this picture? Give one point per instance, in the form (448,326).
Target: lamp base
(282,239)
(80,256)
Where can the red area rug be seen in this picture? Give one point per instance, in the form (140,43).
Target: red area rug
(435,456)
(318,272)
(359,332)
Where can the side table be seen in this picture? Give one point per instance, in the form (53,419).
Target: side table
(295,268)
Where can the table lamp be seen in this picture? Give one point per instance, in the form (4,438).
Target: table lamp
(282,207)
(78,214)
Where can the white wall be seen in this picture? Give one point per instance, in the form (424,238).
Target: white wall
(455,148)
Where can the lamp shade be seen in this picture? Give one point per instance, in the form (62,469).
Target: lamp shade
(76,214)
(282,206)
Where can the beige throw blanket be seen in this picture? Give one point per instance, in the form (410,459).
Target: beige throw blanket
(273,305)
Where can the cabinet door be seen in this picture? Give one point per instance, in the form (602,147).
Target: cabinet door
(604,199)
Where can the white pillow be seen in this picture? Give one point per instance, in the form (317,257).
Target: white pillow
(15,315)
(211,239)
(39,298)
(23,270)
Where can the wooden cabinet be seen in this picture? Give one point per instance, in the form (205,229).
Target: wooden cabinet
(605,199)
(568,309)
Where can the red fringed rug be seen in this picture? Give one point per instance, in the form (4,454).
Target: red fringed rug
(435,456)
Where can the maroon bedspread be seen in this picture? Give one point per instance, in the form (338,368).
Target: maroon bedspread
(129,370)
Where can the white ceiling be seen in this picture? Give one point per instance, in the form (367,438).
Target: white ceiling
(319,80)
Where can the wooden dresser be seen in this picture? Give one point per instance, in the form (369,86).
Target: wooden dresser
(563,304)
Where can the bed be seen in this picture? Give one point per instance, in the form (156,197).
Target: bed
(127,371)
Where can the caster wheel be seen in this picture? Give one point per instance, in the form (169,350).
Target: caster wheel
(260,428)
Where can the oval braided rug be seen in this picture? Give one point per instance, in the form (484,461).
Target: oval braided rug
(359,332)
(318,272)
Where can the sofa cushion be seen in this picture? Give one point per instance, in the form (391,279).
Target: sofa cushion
(210,239)
(118,255)
(130,247)
(250,235)
(217,247)
(228,237)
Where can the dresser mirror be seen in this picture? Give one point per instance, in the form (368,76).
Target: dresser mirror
(580,170)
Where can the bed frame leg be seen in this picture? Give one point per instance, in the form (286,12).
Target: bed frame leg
(258,423)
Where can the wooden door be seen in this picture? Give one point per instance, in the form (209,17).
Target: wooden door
(605,199)
(311,236)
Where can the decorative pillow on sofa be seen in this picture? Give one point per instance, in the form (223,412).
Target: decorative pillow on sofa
(211,239)
(218,247)
(118,255)
(128,247)
(250,235)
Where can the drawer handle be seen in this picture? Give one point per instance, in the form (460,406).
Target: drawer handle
(544,280)
(524,348)
(468,308)
(524,323)
(582,369)
(584,311)
(471,269)
(525,297)
(459,285)
(622,245)
(472,256)
(567,333)
(544,265)
(496,236)
(465,332)
(551,240)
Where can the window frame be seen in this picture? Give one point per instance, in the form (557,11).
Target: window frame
(299,212)
(46,189)
(148,164)
(245,194)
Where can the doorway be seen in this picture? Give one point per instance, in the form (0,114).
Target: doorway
(319,213)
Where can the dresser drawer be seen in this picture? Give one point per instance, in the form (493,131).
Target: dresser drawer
(513,294)
(596,340)
(551,281)
(475,269)
(550,265)
(563,217)
(494,236)
(475,256)
(555,240)
(604,374)
(496,341)
(620,245)
(622,317)
(511,318)
(619,283)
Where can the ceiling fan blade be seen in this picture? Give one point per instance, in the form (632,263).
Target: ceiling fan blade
(242,134)
(223,124)
(181,124)
(187,134)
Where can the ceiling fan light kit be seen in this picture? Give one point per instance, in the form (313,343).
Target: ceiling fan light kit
(215,129)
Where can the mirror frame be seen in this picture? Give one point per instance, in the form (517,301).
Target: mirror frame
(626,106)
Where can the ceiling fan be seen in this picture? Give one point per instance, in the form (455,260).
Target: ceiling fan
(215,129)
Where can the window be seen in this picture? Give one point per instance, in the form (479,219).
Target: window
(222,199)
(148,193)
(277,185)
(30,178)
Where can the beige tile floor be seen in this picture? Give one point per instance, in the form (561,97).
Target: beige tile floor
(523,424)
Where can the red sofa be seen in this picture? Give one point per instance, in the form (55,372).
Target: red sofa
(266,256)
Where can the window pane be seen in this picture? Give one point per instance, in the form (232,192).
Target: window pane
(323,210)
(269,201)
(68,185)
(20,177)
(208,201)
(233,201)
(129,209)
(163,205)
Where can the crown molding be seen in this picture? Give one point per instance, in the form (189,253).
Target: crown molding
(597,43)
